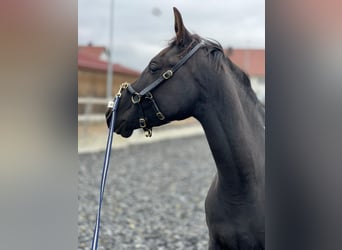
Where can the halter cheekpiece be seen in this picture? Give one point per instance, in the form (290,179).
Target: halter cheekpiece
(145,95)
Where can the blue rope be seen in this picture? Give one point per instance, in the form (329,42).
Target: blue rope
(104,173)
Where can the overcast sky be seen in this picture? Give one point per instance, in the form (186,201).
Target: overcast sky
(143,27)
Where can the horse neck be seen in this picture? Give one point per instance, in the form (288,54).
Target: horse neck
(235,133)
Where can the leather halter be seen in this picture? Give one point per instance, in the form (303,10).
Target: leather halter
(145,94)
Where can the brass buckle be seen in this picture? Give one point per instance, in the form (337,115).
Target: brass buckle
(160,116)
(167,74)
(142,123)
(122,86)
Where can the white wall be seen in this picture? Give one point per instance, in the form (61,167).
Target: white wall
(258,85)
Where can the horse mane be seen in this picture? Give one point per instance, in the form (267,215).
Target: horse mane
(218,59)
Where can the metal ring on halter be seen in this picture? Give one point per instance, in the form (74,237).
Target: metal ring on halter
(136,98)
(148,132)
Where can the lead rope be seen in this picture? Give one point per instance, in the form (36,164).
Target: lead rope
(114,105)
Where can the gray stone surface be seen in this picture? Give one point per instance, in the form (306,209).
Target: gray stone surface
(154,197)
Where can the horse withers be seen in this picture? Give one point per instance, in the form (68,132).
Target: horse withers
(193,78)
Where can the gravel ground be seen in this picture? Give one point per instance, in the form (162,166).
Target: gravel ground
(154,197)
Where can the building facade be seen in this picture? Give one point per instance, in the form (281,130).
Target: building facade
(92,72)
(252,61)
(92,78)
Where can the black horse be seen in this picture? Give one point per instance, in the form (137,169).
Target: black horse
(204,84)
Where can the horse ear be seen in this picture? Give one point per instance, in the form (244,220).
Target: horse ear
(183,36)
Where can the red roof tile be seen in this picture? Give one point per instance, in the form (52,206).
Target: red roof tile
(91,51)
(89,58)
(250,60)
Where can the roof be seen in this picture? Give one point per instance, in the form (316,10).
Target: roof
(89,57)
(250,60)
(92,51)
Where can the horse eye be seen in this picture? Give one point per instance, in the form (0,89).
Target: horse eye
(153,67)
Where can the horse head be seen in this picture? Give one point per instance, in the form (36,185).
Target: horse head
(175,96)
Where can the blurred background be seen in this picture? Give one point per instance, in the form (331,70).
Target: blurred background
(117,39)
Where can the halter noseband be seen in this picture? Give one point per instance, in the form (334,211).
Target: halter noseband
(145,94)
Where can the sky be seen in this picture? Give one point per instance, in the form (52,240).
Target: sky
(143,27)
